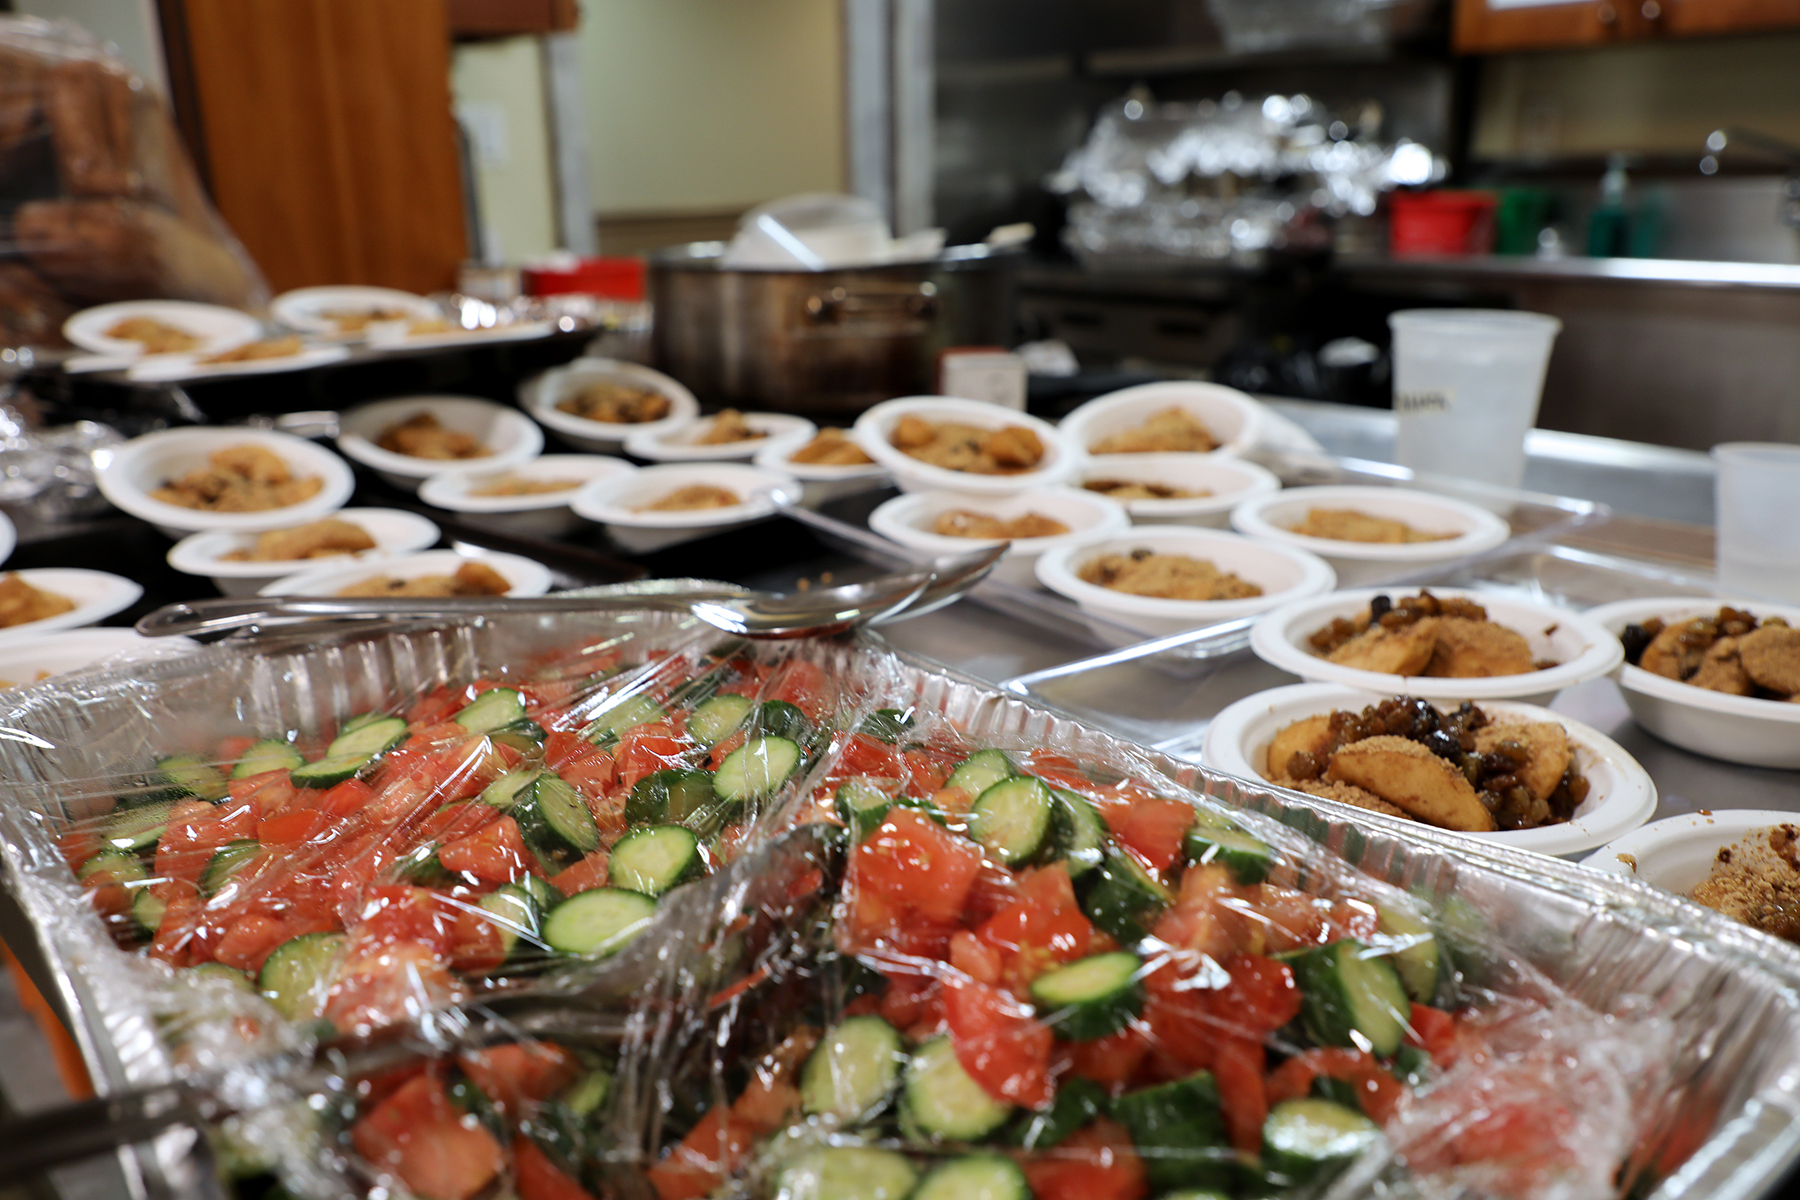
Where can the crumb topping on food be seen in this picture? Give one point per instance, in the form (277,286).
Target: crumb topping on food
(1758,882)
(1442,638)
(317,539)
(1172,429)
(1354,525)
(281,347)
(422,435)
(1144,572)
(518,485)
(831,447)
(692,497)
(21,603)
(1731,651)
(726,429)
(1131,489)
(962,522)
(242,478)
(472,578)
(954,446)
(616,403)
(156,337)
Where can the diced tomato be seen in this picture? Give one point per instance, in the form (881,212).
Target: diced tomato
(913,861)
(512,1074)
(722,750)
(911,1000)
(645,750)
(704,1159)
(290,827)
(928,770)
(398,912)
(269,789)
(1238,1072)
(886,929)
(78,845)
(346,799)
(477,941)
(417,1135)
(1291,919)
(232,748)
(496,854)
(188,840)
(999,1043)
(181,916)
(1431,1029)
(380,983)
(461,770)
(540,694)
(249,941)
(434,707)
(974,957)
(562,747)
(1376,1090)
(1354,919)
(584,876)
(454,822)
(1097,1162)
(535,1177)
(1059,770)
(805,685)
(1112,1060)
(1044,927)
(864,755)
(994,889)
(1154,828)
(1262,995)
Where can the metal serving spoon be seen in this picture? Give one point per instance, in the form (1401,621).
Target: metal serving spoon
(733,609)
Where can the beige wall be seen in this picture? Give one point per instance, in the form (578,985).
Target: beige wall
(499,93)
(707,105)
(1657,97)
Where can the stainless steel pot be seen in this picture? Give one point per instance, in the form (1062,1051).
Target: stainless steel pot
(825,342)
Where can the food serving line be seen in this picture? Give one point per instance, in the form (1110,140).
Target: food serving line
(1656,541)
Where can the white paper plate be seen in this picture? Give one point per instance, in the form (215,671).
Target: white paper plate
(1621,797)
(907,519)
(1230,481)
(304,309)
(613,502)
(97,596)
(1580,647)
(874,428)
(1271,516)
(677,445)
(167,368)
(396,338)
(145,463)
(219,328)
(53,654)
(528,577)
(540,396)
(511,436)
(9,537)
(395,531)
(1677,853)
(1739,729)
(1233,419)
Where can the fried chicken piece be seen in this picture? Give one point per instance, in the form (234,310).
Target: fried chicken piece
(1168,576)
(422,435)
(1771,658)
(1406,774)
(911,433)
(1346,793)
(1311,736)
(1470,649)
(258,464)
(1547,745)
(1403,651)
(964,523)
(1721,669)
(1014,447)
(1675,653)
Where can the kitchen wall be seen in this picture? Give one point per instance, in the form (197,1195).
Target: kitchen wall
(499,94)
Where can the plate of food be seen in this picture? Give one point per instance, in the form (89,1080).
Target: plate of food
(1368,533)
(429,573)
(347,312)
(1718,677)
(411,438)
(239,564)
(726,436)
(45,598)
(136,328)
(829,464)
(265,356)
(664,505)
(47,655)
(1178,415)
(596,403)
(1441,644)
(532,502)
(424,333)
(1503,771)
(949,444)
(1031,524)
(242,480)
(1176,488)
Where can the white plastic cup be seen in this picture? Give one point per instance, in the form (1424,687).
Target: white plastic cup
(1756,498)
(1467,382)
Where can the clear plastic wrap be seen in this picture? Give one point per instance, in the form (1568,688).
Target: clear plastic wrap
(1577,1035)
(98,198)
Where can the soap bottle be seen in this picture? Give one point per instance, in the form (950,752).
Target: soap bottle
(1609,229)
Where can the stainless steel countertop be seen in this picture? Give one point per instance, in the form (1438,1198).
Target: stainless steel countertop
(1679,271)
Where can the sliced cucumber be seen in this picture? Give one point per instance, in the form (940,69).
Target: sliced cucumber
(122,867)
(886,725)
(359,720)
(672,795)
(226,864)
(515,913)
(598,923)
(491,711)
(853,1072)
(1179,1133)
(980,771)
(778,718)
(1215,839)
(757,769)
(1079,836)
(846,1173)
(527,737)
(421,865)
(1126,899)
(506,791)
(133,829)
(1305,1138)
(1011,820)
(191,775)
(1417,955)
(350,752)
(147,910)
(471,1101)
(270,754)
(714,720)
(545,895)
(974,1177)
(861,803)
(1411,1066)
(585,1096)
(628,713)
(555,820)
(942,1103)
(299,972)
(1351,996)
(231,976)
(1090,997)
(655,859)
(1077,1102)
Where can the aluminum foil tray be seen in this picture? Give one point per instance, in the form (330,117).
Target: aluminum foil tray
(1730,996)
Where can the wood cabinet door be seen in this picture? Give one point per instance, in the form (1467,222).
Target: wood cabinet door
(325,132)
(1680,18)
(1488,26)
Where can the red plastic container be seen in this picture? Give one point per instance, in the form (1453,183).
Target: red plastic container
(1443,222)
(615,278)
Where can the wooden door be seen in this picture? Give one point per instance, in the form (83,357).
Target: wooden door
(1482,27)
(325,133)
(1681,18)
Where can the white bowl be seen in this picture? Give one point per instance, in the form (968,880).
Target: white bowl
(908,519)
(528,578)
(677,444)
(97,596)
(512,437)
(1233,419)
(217,327)
(875,426)
(544,514)
(9,537)
(53,654)
(1230,480)
(1739,729)
(395,533)
(1283,573)
(612,502)
(1677,853)
(1476,529)
(539,397)
(821,481)
(146,463)
(1578,645)
(1620,798)
(305,308)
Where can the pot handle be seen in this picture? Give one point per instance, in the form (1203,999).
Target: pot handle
(872,301)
